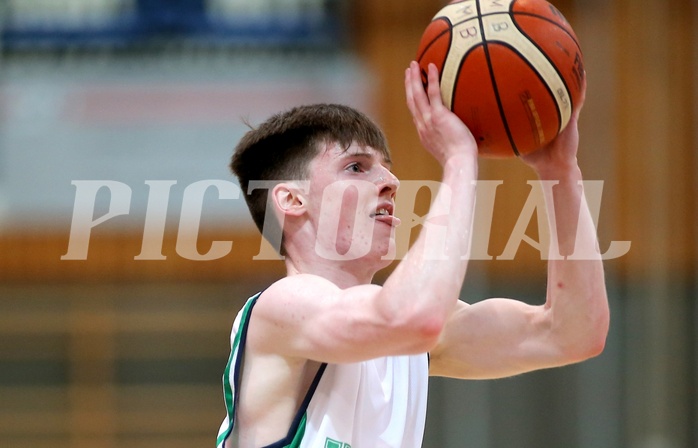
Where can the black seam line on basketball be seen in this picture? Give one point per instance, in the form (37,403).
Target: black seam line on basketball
(529,14)
(540,77)
(554,66)
(502,116)
(458,72)
(419,57)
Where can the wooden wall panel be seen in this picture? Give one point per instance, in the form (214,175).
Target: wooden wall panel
(656,145)
(37,257)
(656,152)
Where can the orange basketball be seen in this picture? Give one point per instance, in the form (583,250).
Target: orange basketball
(512,70)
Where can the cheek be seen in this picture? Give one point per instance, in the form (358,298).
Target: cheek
(345,227)
(355,230)
(348,221)
(349,204)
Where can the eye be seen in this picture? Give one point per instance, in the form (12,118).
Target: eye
(354,167)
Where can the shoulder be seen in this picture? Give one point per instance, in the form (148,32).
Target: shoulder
(292,292)
(306,290)
(299,315)
(297,284)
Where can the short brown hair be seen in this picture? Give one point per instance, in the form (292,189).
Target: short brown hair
(282,147)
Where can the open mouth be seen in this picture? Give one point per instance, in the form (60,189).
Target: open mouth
(384,213)
(383,210)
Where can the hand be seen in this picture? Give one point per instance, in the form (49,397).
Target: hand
(441,132)
(561,152)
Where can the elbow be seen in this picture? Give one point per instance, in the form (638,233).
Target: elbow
(590,343)
(581,350)
(422,334)
(593,347)
(597,339)
(598,334)
(430,332)
(415,329)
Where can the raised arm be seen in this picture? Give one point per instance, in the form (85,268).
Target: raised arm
(501,337)
(429,279)
(308,317)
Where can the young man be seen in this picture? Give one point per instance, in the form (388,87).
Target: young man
(325,358)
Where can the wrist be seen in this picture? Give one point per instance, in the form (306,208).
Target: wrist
(461,163)
(559,170)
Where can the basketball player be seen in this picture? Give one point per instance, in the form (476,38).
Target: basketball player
(323,358)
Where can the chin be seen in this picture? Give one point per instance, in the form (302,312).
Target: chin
(379,251)
(384,254)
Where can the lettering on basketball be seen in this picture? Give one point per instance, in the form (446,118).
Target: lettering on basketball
(456,13)
(578,70)
(465,36)
(494,6)
(533,117)
(466,10)
(562,95)
(469,32)
(499,27)
(559,45)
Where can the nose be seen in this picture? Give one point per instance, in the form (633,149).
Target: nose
(387,182)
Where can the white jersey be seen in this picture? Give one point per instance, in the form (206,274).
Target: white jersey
(380,403)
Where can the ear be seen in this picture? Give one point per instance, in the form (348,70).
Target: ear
(289,199)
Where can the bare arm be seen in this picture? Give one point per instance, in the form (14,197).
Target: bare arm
(501,337)
(308,317)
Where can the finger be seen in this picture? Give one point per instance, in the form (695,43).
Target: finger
(582,98)
(434,87)
(421,101)
(575,114)
(577,110)
(417,117)
(408,92)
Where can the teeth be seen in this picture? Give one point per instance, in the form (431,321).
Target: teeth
(382,211)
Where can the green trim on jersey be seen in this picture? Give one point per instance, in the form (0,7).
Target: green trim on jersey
(294,438)
(298,438)
(228,392)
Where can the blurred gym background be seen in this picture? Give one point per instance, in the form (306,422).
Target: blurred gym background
(118,351)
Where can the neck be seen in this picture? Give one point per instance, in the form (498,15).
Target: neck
(344,274)
(303,257)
